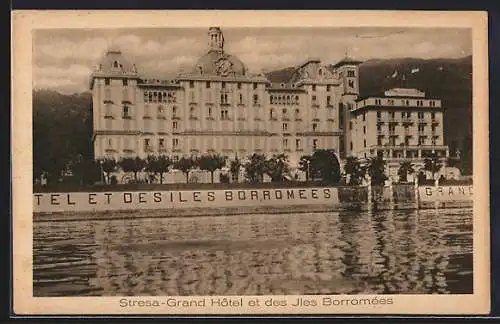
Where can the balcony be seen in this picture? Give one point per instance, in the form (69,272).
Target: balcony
(109,116)
(380,121)
(126,117)
(285,119)
(393,121)
(160,116)
(193,118)
(162,149)
(273,119)
(174,117)
(407,120)
(225,104)
(146,117)
(315,104)
(148,149)
(422,121)
(435,122)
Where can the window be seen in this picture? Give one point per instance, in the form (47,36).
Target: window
(390,102)
(315,144)
(271,113)
(241,98)
(296,100)
(192,113)
(379,115)
(174,125)
(421,128)
(351,74)
(106,81)
(350,125)
(364,116)
(224,114)
(392,114)
(350,145)
(432,103)
(174,111)
(207,85)
(313,98)
(379,128)
(420,115)
(255,86)
(364,143)
(433,116)
(125,82)
(297,144)
(313,87)
(378,102)
(146,143)
(314,126)
(223,85)
(285,126)
(379,141)
(364,129)
(210,112)
(255,99)
(328,87)
(191,84)
(161,143)
(239,85)
(126,112)
(285,142)
(328,99)
(175,142)
(160,110)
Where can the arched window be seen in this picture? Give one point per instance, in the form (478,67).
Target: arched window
(296,100)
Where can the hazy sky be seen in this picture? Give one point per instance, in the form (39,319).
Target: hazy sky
(64,58)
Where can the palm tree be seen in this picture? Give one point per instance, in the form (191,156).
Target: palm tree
(276,167)
(432,164)
(354,169)
(305,165)
(405,168)
(256,167)
(376,170)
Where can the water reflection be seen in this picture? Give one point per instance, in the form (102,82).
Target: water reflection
(322,253)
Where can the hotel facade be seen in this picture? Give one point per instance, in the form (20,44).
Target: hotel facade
(219,107)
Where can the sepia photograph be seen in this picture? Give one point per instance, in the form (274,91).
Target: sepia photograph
(313,162)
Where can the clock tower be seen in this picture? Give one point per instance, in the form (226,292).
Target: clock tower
(215,39)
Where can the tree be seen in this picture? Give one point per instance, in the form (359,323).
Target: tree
(234,167)
(150,165)
(376,170)
(108,166)
(256,167)
(405,168)
(354,169)
(432,164)
(85,170)
(212,163)
(276,167)
(325,164)
(163,163)
(466,161)
(185,165)
(134,165)
(305,165)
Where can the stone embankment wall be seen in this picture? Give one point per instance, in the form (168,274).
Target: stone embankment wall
(251,200)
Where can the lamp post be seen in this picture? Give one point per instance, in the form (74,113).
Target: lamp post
(102,171)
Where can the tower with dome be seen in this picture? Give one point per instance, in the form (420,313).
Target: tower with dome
(219,107)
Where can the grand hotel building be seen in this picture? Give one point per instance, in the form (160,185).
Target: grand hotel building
(219,107)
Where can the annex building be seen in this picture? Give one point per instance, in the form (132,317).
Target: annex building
(218,106)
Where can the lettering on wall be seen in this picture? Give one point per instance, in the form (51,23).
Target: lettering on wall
(95,201)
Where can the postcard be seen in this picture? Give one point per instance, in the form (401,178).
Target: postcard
(250,162)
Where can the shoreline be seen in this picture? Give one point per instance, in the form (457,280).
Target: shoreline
(235,211)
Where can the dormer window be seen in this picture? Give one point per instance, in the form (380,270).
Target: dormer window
(282,85)
(115,64)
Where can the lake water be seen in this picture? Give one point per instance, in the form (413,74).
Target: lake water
(405,251)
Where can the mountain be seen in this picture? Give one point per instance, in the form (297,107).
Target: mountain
(447,79)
